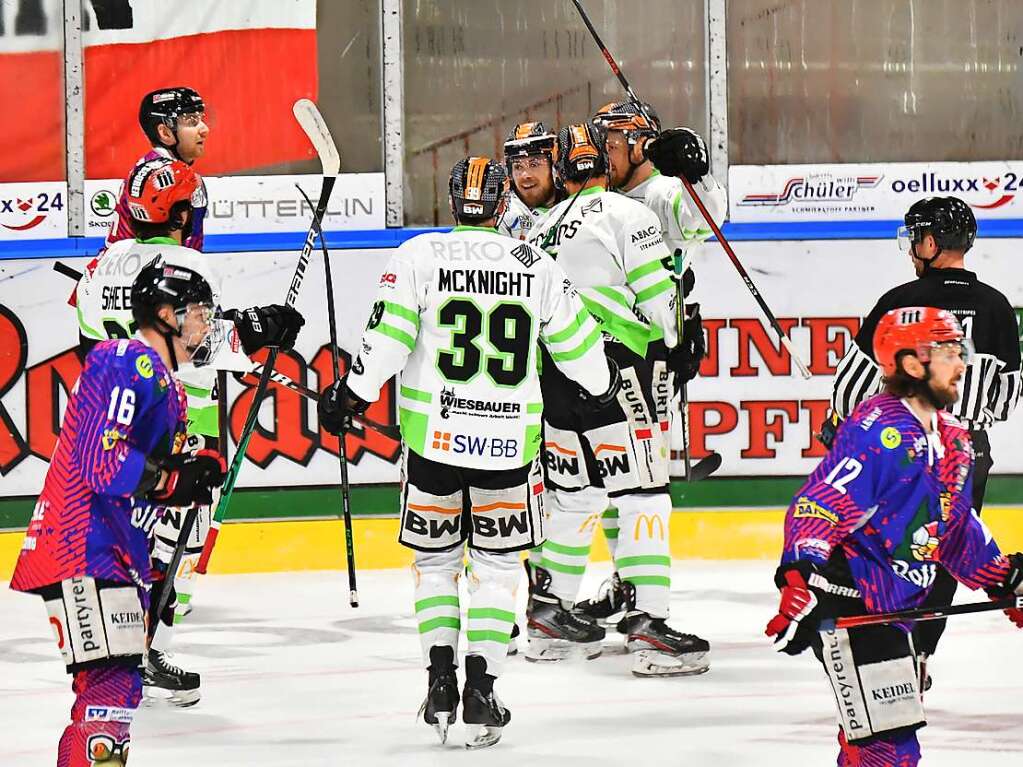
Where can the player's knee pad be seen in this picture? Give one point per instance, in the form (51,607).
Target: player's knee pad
(107,696)
(872,670)
(643,517)
(96,621)
(493,570)
(431,522)
(563,459)
(510,518)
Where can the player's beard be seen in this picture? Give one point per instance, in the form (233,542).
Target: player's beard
(942,397)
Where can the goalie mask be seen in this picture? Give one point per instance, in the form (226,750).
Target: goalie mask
(477,189)
(580,153)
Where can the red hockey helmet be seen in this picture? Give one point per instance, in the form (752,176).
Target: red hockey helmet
(156,186)
(916,329)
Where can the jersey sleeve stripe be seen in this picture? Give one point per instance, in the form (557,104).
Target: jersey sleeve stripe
(403,312)
(574,354)
(566,333)
(642,271)
(654,290)
(397,334)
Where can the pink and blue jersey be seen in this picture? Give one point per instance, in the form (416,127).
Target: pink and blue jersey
(126,406)
(123,226)
(896,503)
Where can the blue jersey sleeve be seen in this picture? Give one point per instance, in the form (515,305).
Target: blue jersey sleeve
(836,498)
(116,393)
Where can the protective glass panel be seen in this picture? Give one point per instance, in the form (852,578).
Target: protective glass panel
(874,80)
(474,68)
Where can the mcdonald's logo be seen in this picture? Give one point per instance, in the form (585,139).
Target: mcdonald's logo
(651,521)
(590,523)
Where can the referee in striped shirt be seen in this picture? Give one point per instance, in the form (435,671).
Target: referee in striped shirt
(937,234)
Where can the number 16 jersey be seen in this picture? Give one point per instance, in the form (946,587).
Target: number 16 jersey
(459,314)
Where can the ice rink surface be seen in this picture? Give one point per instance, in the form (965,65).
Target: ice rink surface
(292,676)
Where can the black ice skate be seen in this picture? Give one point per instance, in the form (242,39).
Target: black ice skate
(441,704)
(608,607)
(483,713)
(553,631)
(162,680)
(660,650)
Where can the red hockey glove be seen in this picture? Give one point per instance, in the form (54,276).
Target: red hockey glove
(796,623)
(1013,584)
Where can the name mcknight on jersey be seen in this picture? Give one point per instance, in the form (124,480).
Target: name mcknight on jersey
(485,281)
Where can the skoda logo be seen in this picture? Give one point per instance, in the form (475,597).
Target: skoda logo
(102,203)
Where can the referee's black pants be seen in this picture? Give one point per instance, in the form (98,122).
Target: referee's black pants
(927,633)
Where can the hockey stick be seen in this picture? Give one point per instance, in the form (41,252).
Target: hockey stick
(315,128)
(702,468)
(921,614)
(277,378)
(346,492)
(683,407)
(167,586)
(785,341)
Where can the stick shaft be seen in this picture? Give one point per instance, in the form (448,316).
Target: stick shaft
(924,613)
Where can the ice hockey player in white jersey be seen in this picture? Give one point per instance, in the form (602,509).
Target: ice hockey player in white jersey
(461,316)
(158,197)
(645,166)
(634,172)
(612,249)
(527,158)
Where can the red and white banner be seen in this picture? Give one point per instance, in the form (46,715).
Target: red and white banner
(870,191)
(250,60)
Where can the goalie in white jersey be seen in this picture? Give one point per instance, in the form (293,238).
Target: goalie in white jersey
(461,317)
(612,249)
(158,197)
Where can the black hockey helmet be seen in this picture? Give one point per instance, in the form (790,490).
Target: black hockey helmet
(477,186)
(636,121)
(581,152)
(528,139)
(948,219)
(166,106)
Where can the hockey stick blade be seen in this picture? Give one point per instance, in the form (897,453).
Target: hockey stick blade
(309,117)
(702,468)
(921,614)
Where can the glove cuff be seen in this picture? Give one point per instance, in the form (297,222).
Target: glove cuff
(804,568)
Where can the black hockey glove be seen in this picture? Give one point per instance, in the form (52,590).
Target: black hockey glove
(687,277)
(337,405)
(191,479)
(684,359)
(679,152)
(798,618)
(262,326)
(829,429)
(1011,586)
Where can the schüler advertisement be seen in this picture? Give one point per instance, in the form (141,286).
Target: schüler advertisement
(749,404)
(870,191)
(236,204)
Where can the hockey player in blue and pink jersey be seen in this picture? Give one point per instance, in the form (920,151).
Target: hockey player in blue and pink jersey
(864,534)
(118,461)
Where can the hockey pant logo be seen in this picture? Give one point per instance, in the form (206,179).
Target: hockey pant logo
(430,522)
(646,433)
(93,621)
(872,698)
(563,459)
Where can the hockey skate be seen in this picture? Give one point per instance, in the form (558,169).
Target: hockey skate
(483,713)
(162,680)
(657,648)
(608,607)
(441,704)
(553,631)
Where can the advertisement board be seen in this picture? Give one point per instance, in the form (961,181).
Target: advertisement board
(237,205)
(870,191)
(749,404)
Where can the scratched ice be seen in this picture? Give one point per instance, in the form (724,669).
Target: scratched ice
(292,676)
